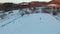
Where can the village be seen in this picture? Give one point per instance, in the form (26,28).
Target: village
(52,7)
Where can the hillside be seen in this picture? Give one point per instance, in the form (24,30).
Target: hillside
(40,23)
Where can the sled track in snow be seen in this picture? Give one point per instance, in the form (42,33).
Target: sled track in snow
(9,22)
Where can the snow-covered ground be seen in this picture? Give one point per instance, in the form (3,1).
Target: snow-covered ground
(40,23)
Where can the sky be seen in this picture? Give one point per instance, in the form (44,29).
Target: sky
(19,1)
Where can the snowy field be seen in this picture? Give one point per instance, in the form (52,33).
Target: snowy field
(40,23)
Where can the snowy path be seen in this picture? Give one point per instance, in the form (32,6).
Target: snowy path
(33,24)
(10,18)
